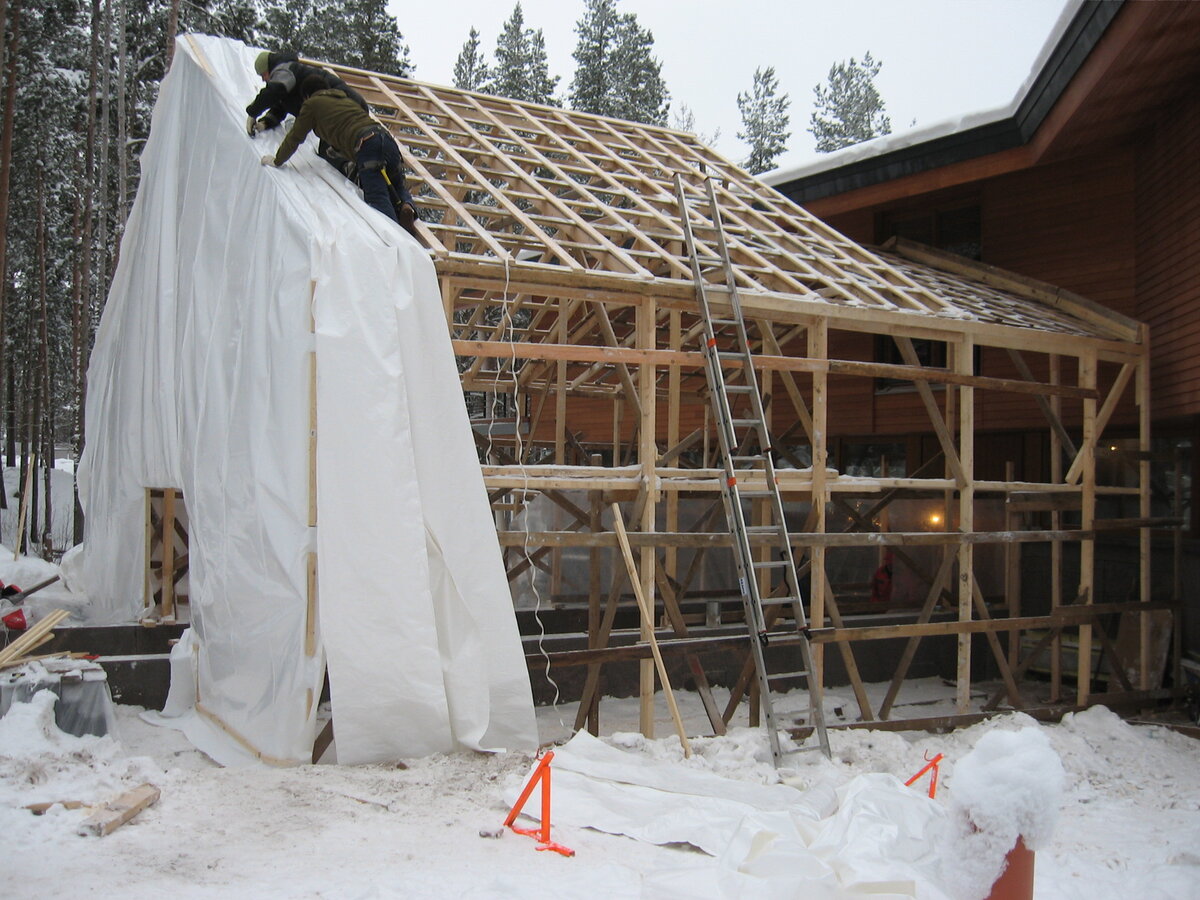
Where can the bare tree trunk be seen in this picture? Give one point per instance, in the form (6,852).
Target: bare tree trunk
(26,458)
(105,159)
(6,140)
(44,370)
(172,27)
(122,211)
(81,313)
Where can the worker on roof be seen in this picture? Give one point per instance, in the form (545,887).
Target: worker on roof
(336,118)
(280,97)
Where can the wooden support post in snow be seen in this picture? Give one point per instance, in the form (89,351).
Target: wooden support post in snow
(648,616)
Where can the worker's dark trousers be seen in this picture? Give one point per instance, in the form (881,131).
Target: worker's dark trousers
(375,154)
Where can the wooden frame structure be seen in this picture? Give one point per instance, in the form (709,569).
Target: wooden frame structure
(165,515)
(567,290)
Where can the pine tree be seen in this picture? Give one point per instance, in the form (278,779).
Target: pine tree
(470,69)
(764,120)
(644,96)
(849,109)
(359,33)
(522,70)
(616,73)
(592,87)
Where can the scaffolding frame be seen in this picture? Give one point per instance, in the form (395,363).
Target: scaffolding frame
(567,289)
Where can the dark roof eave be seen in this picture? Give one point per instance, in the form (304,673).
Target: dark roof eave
(1079,38)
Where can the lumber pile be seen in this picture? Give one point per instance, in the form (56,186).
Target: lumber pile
(17,653)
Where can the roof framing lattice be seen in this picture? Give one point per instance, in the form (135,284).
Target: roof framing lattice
(542,195)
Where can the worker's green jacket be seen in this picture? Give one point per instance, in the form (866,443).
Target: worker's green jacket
(335,118)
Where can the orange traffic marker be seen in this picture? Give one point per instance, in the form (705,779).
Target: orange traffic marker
(932,764)
(542,832)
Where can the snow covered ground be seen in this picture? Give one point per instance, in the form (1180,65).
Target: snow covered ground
(1128,821)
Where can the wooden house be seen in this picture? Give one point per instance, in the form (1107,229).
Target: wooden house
(1089,183)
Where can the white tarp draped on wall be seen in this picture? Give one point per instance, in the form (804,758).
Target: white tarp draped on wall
(200,381)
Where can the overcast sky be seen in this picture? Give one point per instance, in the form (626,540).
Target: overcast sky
(941,58)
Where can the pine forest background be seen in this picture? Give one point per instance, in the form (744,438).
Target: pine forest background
(79,82)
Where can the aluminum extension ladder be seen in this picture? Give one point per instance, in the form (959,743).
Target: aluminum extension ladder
(746,450)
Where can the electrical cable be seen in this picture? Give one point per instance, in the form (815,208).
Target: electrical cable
(510,333)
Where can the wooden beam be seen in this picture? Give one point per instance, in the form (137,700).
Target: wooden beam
(590,353)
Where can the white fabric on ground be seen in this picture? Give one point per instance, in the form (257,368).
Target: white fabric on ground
(200,381)
(874,837)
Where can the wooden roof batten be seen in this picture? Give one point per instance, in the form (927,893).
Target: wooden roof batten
(542,202)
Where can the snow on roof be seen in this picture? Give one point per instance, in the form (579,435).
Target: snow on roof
(802,164)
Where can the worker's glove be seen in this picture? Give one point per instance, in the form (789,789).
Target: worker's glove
(268,160)
(252,126)
(408,218)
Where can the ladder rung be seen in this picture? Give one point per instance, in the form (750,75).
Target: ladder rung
(770,564)
(780,676)
(738,389)
(743,422)
(741,458)
(755,495)
(723,322)
(730,354)
(779,601)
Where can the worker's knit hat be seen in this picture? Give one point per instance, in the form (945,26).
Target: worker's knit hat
(262,62)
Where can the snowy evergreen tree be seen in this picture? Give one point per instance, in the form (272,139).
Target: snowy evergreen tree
(358,33)
(764,121)
(470,69)
(616,73)
(849,109)
(522,70)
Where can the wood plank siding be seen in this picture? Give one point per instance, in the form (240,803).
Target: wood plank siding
(1168,258)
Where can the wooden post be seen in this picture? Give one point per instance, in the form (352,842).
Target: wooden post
(637,579)
(147,581)
(23,513)
(560,432)
(310,618)
(593,713)
(1056,548)
(674,377)
(1142,389)
(1087,519)
(964,364)
(818,349)
(168,554)
(1012,570)
(648,457)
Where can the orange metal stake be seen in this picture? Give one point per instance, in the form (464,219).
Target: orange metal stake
(542,832)
(932,764)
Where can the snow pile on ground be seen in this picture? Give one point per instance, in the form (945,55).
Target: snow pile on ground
(1008,787)
(41,764)
(1129,815)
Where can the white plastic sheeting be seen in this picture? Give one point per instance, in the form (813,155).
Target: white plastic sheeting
(200,381)
(872,837)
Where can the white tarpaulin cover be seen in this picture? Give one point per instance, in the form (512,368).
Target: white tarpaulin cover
(872,837)
(200,381)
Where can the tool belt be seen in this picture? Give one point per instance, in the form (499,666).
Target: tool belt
(367,133)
